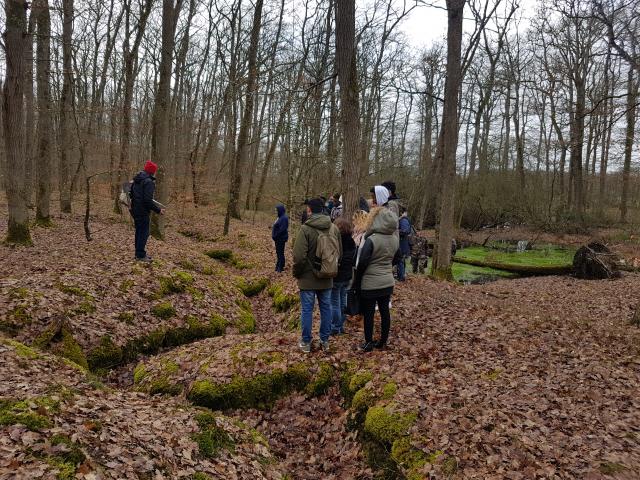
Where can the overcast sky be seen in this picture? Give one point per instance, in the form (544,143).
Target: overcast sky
(426,24)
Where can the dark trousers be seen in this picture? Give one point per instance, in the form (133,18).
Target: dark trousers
(280,254)
(368,306)
(419,264)
(142,235)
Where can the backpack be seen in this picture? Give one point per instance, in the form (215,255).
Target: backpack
(327,254)
(125,195)
(413,236)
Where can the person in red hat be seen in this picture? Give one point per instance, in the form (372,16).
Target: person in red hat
(142,204)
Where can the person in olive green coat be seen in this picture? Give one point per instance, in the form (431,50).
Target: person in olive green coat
(374,280)
(309,284)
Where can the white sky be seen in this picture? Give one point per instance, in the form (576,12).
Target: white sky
(426,25)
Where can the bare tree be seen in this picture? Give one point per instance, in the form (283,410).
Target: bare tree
(66,102)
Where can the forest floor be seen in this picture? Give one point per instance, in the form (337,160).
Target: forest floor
(110,369)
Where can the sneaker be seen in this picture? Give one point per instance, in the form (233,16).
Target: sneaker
(380,345)
(366,347)
(305,346)
(324,345)
(146,259)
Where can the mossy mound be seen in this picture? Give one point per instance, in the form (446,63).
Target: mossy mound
(57,338)
(108,355)
(228,257)
(282,301)
(163,310)
(177,282)
(262,369)
(251,288)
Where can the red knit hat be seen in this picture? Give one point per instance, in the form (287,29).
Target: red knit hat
(150,167)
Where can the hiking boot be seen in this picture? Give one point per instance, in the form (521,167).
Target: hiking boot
(324,345)
(366,347)
(305,346)
(380,345)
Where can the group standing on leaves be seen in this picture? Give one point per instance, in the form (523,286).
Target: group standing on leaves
(348,264)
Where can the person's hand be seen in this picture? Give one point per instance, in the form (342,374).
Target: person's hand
(162,210)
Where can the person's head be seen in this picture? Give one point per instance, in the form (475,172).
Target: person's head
(150,167)
(390,185)
(280,209)
(314,205)
(380,195)
(403,212)
(344,225)
(336,198)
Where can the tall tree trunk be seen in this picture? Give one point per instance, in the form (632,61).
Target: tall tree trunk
(507,128)
(30,114)
(577,144)
(242,152)
(349,103)
(162,108)
(66,107)
(449,144)
(14,130)
(43,196)
(632,96)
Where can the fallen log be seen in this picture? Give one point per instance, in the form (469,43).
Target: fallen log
(525,270)
(596,262)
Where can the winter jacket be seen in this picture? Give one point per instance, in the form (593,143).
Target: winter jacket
(405,231)
(142,190)
(280,229)
(393,204)
(347,260)
(375,270)
(304,249)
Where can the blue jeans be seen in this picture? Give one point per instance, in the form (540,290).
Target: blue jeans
(142,235)
(280,255)
(307,301)
(338,305)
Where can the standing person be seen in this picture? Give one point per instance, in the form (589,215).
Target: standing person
(336,211)
(280,236)
(419,254)
(315,274)
(405,248)
(393,203)
(342,280)
(142,204)
(374,280)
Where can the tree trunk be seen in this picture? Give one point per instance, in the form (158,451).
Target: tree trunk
(449,144)
(162,108)
(66,108)
(30,111)
(349,103)
(15,39)
(632,95)
(43,196)
(242,152)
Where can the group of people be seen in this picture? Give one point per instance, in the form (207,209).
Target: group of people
(372,244)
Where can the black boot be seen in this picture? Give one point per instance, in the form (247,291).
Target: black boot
(380,344)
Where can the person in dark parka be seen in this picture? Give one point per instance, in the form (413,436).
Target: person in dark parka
(280,236)
(343,279)
(142,204)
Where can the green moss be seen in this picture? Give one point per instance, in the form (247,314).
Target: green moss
(321,381)
(268,357)
(218,324)
(66,470)
(259,391)
(187,264)
(493,375)
(611,468)
(163,386)
(126,317)
(362,400)
(244,304)
(126,285)
(389,391)
(73,455)
(21,349)
(139,373)
(196,295)
(71,349)
(73,290)
(163,310)
(359,380)
(246,322)
(411,459)
(252,288)
(16,319)
(14,412)
(177,282)
(106,355)
(18,293)
(387,426)
(211,438)
(222,255)
(282,301)
(200,476)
